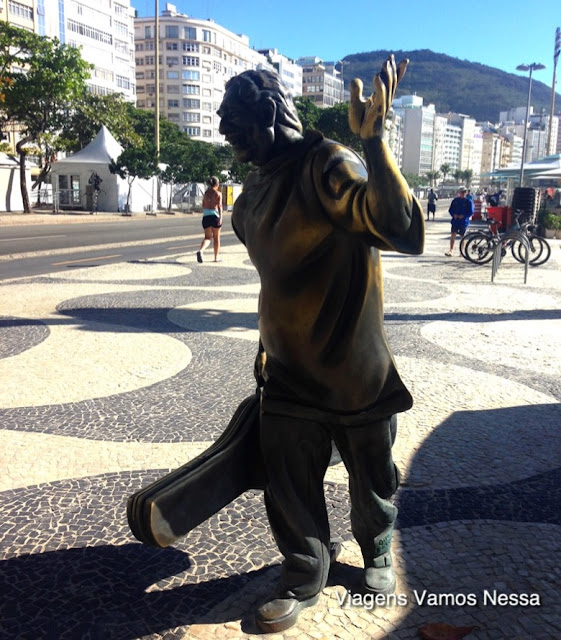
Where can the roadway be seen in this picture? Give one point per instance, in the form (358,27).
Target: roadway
(34,249)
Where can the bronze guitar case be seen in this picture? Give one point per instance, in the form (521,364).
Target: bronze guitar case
(169,508)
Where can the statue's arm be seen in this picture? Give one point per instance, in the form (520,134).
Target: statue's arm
(379,204)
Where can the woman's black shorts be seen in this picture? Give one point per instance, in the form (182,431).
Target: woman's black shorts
(211,221)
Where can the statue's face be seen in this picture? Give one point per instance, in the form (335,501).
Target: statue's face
(242,127)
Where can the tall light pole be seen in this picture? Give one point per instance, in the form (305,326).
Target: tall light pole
(535,66)
(556,50)
(157,72)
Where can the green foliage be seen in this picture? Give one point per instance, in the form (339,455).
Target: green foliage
(333,122)
(41,79)
(308,112)
(551,220)
(452,84)
(413,180)
(86,116)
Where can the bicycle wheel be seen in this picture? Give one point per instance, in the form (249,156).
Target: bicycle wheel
(479,249)
(540,251)
(465,239)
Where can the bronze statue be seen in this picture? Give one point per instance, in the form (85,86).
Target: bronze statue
(314,218)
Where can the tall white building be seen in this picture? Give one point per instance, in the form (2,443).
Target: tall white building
(418,133)
(196,59)
(104,30)
(289,71)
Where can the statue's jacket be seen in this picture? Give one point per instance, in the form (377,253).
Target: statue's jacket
(314,223)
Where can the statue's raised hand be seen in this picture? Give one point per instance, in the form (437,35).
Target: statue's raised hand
(367,117)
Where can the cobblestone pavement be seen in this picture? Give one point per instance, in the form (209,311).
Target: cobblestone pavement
(114,375)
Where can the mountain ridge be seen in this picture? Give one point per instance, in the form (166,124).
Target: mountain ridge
(451,84)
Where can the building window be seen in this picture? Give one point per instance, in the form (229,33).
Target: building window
(90,32)
(147,33)
(173,104)
(20,10)
(193,47)
(172,46)
(191,61)
(123,83)
(191,75)
(191,103)
(171,60)
(173,117)
(207,106)
(139,47)
(192,89)
(189,33)
(207,120)
(207,133)
(172,31)
(207,93)
(191,117)
(192,131)
(173,75)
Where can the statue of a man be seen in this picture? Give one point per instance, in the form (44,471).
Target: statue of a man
(314,218)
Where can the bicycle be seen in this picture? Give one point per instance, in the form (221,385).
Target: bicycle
(478,246)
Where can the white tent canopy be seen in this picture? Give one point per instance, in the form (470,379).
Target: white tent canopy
(101,150)
(73,180)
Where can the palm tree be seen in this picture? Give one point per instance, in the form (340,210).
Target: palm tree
(432,177)
(445,170)
(467,176)
(458,175)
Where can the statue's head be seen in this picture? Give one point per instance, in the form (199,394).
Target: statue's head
(257,116)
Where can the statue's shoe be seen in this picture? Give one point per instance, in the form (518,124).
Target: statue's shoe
(281,613)
(380,577)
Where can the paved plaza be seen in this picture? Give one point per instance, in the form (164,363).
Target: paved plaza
(111,376)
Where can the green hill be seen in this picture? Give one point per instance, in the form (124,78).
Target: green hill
(455,85)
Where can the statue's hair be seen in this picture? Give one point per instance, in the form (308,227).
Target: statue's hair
(255,86)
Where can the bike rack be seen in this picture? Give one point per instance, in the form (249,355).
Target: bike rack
(497,252)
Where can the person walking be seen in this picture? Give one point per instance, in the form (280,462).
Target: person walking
(212,219)
(431,204)
(461,210)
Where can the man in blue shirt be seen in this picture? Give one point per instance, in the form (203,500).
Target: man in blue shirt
(461,210)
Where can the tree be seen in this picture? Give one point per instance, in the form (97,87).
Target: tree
(41,93)
(432,177)
(458,175)
(467,176)
(413,180)
(308,112)
(333,122)
(445,170)
(135,162)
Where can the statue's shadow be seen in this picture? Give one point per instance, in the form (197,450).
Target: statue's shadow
(108,592)
(125,592)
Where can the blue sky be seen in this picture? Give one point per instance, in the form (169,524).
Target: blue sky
(498,33)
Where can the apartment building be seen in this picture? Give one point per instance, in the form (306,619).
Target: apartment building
(102,29)
(321,81)
(418,134)
(195,58)
(290,73)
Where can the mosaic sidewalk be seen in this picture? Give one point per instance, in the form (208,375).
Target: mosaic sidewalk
(112,376)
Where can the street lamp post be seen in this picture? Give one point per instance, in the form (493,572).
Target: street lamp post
(535,66)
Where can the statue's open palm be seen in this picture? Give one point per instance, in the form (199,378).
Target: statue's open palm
(367,117)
